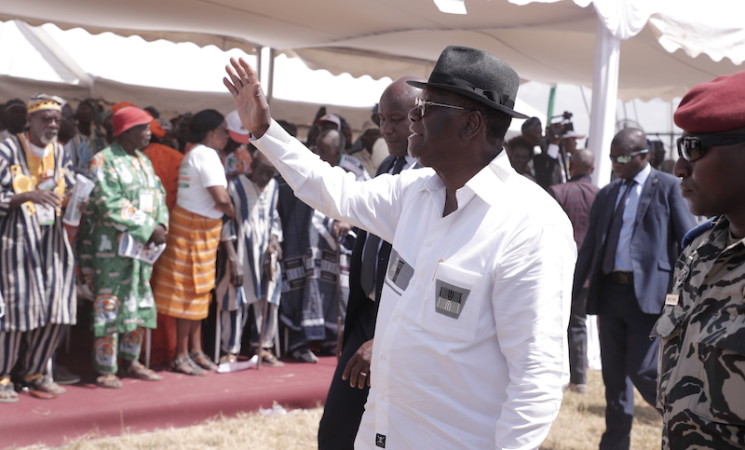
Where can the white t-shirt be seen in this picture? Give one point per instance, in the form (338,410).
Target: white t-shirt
(200,169)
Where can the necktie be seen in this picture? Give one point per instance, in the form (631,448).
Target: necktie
(614,231)
(398,165)
(372,245)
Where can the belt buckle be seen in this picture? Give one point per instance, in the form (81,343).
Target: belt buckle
(623,277)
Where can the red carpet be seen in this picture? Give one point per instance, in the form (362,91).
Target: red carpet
(178,400)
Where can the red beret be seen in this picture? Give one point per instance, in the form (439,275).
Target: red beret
(715,106)
(128,117)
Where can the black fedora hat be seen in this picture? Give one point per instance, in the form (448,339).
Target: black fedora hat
(477,75)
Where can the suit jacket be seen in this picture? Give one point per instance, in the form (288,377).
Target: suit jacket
(548,171)
(662,219)
(576,197)
(361,311)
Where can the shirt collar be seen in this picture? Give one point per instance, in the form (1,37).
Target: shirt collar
(643,174)
(485,184)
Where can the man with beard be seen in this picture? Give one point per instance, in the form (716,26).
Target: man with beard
(37,281)
(470,341)
(349,386)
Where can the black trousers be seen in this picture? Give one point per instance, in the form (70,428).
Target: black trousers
(577,337)
(344,404)
(629,358)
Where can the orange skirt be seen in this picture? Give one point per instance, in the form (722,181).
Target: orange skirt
(185,273)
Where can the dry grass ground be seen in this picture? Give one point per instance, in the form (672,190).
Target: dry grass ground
(578,427)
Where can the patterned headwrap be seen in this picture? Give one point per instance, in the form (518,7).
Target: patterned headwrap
(40,102)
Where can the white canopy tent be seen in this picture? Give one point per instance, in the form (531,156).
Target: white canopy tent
(551,41)
(77,65)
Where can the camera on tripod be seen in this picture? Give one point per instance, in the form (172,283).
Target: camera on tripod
(562,126)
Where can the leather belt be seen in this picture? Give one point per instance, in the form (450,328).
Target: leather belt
(621,277)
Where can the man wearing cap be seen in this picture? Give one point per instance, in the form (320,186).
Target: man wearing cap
(702,327)
(633,239)
(37,282)
(470,341)
(127,205)
(366,150)
(237,157)
(551,165)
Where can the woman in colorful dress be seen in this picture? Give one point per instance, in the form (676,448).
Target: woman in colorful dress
(186,273)
(126,205)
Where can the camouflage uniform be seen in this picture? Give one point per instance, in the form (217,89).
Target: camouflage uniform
(702,357)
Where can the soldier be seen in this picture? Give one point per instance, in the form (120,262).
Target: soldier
(702,357)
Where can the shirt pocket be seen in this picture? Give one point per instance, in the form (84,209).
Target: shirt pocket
(668,329)
(452,303)
(721,377)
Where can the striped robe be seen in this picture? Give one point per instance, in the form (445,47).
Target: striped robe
(257,220)
(36,262)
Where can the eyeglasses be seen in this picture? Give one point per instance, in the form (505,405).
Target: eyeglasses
(625,159)
(421,104)
(693,148)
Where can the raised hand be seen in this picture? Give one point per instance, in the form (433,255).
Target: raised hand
(253,109)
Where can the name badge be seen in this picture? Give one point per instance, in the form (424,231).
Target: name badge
(672,299)
(146,201)
(399,272)
(450,299)
(45,214)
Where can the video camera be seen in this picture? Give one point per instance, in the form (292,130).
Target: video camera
(559,128)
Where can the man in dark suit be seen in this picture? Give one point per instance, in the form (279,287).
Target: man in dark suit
(576,197)
(636,225)
(349,386)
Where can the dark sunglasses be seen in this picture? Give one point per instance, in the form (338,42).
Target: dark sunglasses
(625,159)
(694,147)
(421,106)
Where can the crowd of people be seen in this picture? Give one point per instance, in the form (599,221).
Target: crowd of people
(178,212)
(452,277)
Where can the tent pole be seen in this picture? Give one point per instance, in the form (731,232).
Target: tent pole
(260,63)
(551,99)
(270,75)
(604,101)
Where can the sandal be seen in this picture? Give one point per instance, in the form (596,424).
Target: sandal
(228,358)
(203,361)
(137,370)
(42,386)
(268,359)
(186,366)
(7,393)
(109,381)
(304,356)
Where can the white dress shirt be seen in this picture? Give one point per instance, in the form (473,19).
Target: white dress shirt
(470,343)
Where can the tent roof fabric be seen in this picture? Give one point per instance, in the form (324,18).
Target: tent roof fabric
(550,42)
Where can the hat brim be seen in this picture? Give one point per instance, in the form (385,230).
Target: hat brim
(471,95)
(238,137)
(573,134)
(134,123)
